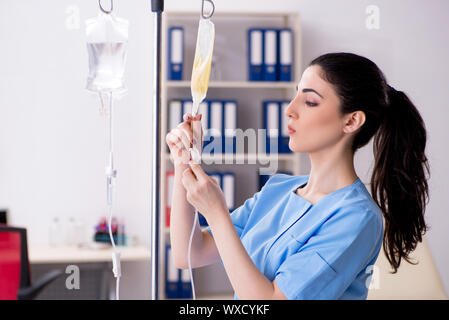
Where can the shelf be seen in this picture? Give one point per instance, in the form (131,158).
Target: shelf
(250,157)
(237,84)
(234,15)
(226,83)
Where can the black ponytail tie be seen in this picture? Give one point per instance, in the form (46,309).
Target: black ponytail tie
(391,92)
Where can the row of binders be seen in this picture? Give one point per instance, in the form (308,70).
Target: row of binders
(177,281)
(270,54)
(219,121)
(226,181)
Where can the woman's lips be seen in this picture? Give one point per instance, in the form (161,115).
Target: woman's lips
(290,130)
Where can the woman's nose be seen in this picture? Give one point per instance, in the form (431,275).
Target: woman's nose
(289,111)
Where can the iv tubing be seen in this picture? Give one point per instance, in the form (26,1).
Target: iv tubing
(193,228)
(189,253)
(110,175)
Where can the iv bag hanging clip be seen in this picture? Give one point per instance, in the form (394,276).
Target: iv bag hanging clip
(106,11)
(211,12)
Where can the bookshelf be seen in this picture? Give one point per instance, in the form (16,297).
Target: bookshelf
(228,81)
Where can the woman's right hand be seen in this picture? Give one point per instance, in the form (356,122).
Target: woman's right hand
(179,140)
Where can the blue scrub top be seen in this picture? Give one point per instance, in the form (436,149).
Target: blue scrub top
(314,251)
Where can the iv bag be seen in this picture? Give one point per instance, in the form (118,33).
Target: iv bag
(200,79)
(202,62)
(107,39)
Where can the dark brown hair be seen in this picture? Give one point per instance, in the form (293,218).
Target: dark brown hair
(399,181)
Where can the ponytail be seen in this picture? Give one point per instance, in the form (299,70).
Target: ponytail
(399,181)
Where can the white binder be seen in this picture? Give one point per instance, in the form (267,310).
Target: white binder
(175,114)
(284,120)
(270,54)
(230,126)
(216,118)
(175,53)
(186,107)
(228,189)
(273,120)
(286,54)
(255,43)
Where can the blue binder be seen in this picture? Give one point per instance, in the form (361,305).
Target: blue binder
(255,54)
(185,285)
(230,125)
(270,54)
(271,123)
(215,127)
(285,44)
(172,275)
(284,138)
(175,53)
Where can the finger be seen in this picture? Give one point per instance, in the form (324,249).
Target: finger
(187,133)
(187,117)
(188,179)
(214,181)
(184,155)
(182,136)
(197,170)
(173,141)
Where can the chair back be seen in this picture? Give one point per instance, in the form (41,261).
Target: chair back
(14,264)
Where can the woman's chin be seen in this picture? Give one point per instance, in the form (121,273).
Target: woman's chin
(294,146)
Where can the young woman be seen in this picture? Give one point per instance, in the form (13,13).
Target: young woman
(315,236)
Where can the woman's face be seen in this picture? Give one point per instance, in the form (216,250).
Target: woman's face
(314,114)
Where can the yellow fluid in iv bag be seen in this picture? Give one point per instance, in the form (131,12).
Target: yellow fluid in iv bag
(200,78)
(202,62)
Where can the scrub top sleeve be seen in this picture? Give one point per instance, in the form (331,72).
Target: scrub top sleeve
(240,215)
(330,260)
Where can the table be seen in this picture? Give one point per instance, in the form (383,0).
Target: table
(95,265)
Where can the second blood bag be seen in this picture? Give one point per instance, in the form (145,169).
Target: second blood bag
(107,39)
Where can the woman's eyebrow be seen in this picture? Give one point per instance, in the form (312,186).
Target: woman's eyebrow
(309,90)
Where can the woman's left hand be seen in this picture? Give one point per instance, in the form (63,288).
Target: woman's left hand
(203,192)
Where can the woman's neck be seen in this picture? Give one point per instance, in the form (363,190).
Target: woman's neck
(330,171)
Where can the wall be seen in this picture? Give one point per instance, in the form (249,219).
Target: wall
(52,137)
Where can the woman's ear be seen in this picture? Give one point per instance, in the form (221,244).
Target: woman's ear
(354,121)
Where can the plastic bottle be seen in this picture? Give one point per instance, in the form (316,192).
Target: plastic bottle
(55,233)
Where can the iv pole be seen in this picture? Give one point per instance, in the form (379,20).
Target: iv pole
(157,6)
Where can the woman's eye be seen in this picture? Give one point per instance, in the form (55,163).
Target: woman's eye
(311,104)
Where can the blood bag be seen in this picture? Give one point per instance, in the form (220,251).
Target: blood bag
(200,79)
(107,39)
(202,62)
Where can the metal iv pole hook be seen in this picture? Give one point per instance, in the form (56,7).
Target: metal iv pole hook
(212,11)
(106,11)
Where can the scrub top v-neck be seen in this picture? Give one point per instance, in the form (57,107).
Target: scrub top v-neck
(313,251)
